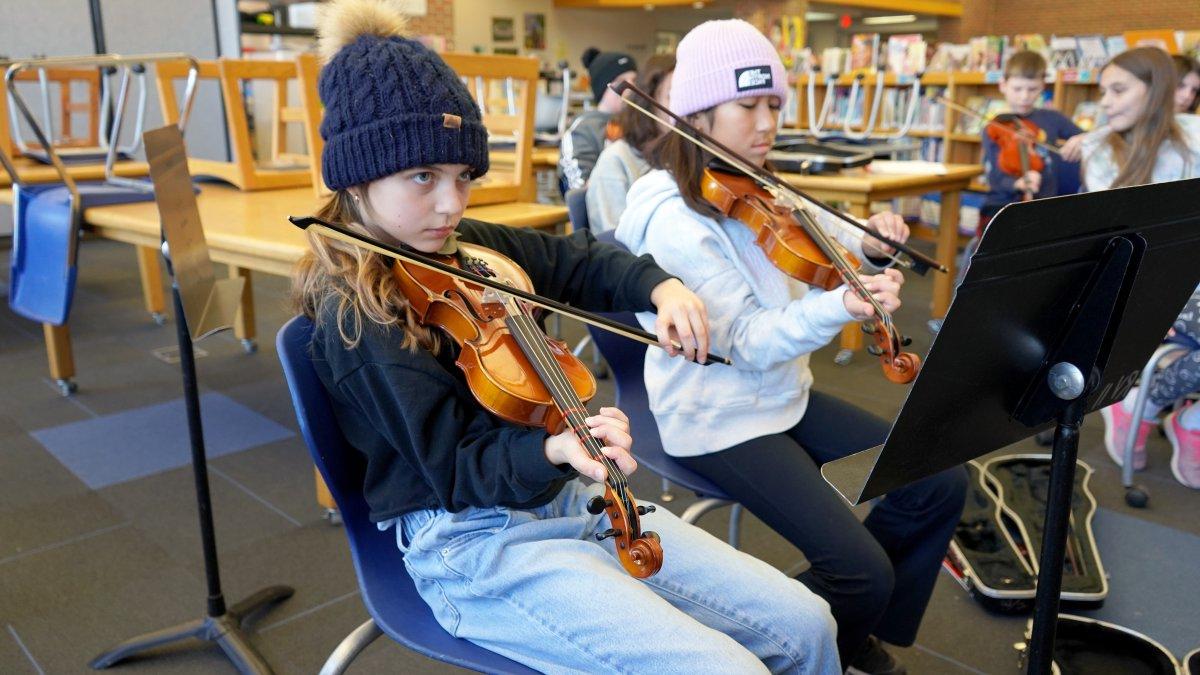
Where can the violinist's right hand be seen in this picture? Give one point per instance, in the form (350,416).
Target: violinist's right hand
(884,288)
(1072,150)
(611,426)
(1031,181)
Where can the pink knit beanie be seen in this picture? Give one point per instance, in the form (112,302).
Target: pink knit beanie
(721,61)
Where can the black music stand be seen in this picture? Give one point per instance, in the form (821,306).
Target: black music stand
(206,305)
(1064,302)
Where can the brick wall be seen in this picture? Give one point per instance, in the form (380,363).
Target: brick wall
(1065,17)
(438,20)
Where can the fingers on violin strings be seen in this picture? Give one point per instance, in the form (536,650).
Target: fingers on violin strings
(625,461)
(615,413)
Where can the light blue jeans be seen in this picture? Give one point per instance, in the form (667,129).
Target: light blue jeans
(535,586)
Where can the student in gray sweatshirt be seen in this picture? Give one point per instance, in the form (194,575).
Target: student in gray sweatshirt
(624,160)
(589,133)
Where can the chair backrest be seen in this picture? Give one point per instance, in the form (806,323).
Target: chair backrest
(626,359)
(576,200)
(505,88)
(243,171)
(387,590)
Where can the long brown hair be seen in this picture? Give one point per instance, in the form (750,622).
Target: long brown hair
(359,281)
(1184,66)
(1136,150)
(637,129)
(686,163)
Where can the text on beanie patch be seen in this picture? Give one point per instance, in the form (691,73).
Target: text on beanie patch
(754,77)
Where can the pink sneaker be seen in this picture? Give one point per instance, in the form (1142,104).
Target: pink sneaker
(1185,458)
(1116,431)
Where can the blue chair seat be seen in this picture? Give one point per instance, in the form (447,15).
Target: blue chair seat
(45,245)
(387,591)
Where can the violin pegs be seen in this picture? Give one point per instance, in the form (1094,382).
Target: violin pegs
(596,505)
(905,341)
(874,350)
(868,328)
(643,510)
(610,532)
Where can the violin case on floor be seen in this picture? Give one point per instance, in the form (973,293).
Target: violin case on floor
(1084,646)
(996,546)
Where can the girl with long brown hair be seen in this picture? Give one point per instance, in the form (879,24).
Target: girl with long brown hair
(492,517)
(1145,141)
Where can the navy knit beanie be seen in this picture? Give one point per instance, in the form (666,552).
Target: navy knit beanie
(390,103)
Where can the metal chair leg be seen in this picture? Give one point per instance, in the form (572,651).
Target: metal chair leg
(350,648)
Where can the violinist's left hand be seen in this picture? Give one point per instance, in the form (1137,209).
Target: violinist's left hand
(681,317)
(890,225)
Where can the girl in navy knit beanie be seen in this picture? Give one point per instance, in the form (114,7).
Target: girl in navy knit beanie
(492,518)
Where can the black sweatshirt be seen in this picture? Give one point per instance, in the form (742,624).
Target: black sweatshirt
(427,441)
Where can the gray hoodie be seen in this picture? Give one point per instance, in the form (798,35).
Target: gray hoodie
(764,320)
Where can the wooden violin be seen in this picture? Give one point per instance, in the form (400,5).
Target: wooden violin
(792,239)
(479,299)
(1015,136)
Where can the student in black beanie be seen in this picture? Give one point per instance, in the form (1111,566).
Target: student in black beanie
(492,516)
(588,134)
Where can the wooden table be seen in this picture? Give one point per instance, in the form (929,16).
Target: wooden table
(859,189)
(543,157)
(249,232)
(36,172)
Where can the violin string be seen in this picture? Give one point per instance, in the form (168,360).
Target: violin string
(560,388)
(795,201)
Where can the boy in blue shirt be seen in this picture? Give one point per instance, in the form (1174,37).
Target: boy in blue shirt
(1023,82)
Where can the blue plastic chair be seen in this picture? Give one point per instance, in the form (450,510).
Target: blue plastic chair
(45,246)
(576,201)
(387,591)
(626,360)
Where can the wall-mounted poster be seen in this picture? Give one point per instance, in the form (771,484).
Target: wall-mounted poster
(665,42)
(502,29)
(535,31)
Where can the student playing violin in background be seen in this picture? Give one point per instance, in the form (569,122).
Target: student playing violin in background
(496,527)
(1022,85)
(758,430)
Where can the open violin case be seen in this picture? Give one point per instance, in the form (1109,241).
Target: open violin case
(794,153)
(996,546)
(1084,646)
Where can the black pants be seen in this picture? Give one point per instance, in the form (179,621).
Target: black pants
(876,575)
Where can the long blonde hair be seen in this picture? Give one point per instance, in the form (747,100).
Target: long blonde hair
(1136,151)
(359,281)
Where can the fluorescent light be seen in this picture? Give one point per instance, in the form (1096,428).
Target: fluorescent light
(819,16)
(881,20)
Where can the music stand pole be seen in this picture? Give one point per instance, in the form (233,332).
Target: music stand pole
(177,203)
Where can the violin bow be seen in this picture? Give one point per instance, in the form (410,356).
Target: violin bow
(978,115)
(920,262)
(332,231)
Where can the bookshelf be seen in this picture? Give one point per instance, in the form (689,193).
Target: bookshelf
(935,123)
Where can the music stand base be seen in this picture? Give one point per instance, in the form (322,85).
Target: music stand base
(225,630)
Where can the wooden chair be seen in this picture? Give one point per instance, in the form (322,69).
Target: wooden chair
(308,68)
(68,107)
(504,88)
(244,171)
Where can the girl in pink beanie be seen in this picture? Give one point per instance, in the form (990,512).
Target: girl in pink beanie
(758,431)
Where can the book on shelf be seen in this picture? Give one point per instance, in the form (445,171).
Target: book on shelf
(978,57)
(834,60)
(1163,38)
(1064,52)
(906,54)
(1115,44)
(864,48)
(949,57)
(1093,54)
(1033,42)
